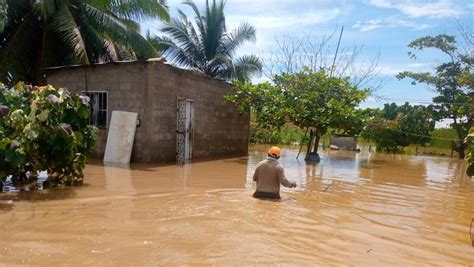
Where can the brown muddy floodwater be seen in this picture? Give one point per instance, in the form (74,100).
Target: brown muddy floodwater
(350,209)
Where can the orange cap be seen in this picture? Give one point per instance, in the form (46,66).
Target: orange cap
(274,151)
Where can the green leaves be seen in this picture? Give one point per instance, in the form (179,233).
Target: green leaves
(443,42)
(398,126)
(306,99)
(470,152)
(3,14)
(46,129)
(206,46)
(48,33)
(453,81)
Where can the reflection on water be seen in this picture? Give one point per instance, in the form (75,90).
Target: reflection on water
(350,209)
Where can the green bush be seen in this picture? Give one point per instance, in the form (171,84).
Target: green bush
(444,133)
(42,128)
(286,135)
(470,152)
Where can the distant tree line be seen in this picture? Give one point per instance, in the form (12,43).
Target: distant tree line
(395,127)
(315,101)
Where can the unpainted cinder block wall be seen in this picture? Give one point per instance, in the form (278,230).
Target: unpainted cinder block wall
(151,89)
(219,129)
(126,87)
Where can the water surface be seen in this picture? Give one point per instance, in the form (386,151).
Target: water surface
(351,209)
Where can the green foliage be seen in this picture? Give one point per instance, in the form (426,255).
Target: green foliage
(206,46)
(453,82)
(3,13)
(313,99)
(286,135)
(307,99)
(38,34)
(399,126)
(440,138)
(42,128)
(470,152)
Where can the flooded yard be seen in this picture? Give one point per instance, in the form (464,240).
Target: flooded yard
(350,209)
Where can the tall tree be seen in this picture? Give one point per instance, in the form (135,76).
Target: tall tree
(293,54)
(206,46)
(36,34)
(453,81)
(398,126)
(308,99)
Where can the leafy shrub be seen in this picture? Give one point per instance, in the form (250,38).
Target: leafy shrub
(42,128)
(441,137)
(470,152)
(286,135)
(395,127)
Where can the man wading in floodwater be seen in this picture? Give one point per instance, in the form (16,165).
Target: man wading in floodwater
(269,174)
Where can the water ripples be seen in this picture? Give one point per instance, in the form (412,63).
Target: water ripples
(351,209)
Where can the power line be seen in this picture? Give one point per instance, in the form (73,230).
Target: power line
(420,135)
(418,101)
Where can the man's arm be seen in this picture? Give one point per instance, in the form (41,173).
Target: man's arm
(282,178)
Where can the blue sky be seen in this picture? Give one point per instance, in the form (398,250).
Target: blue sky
(383,27)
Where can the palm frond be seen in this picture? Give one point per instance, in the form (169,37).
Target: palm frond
(16,9)
(120,32)
(175,54)
(244,33)
(215,28)
(134,9)
(53,51)
(65,25)
(218,65)
(199,19)
(131,25)
(111,48)
(206,45)
(3,14)
(246,66)
(50,7)
(98,47)
(141,47)
(183,36)
(15,54)
(154,40)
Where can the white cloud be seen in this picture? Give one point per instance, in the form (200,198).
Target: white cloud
(394,69)
(431,9)
(390,70)
(390,22)
(286,20)
(274,17)
(368,25)
(418,65)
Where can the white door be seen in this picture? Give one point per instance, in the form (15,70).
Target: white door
(184,131)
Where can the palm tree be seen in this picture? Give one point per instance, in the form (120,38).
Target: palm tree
(206,46)
(36,34)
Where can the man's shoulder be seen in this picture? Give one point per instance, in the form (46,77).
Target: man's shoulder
(279,165)
(272,163)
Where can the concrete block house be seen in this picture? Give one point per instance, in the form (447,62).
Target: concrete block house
(182,115)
